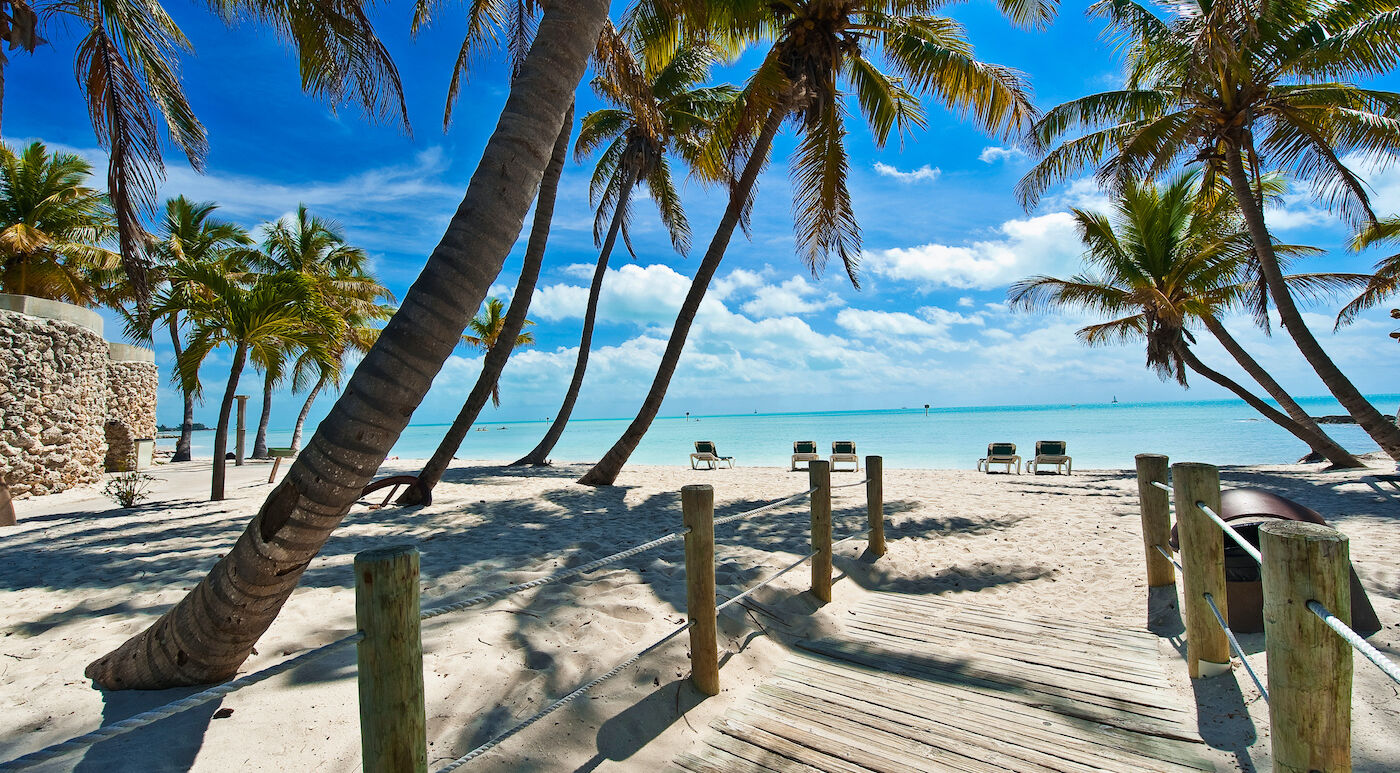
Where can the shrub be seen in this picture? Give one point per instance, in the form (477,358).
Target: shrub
(128,488)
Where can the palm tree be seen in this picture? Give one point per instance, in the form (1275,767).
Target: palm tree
(817,43)
(659,109)
(52,226)
(188,235)
(1170,258)
(258,316)
(127,69)
(485,334)
(1385,280)
(316,248)
(1229,84)
(210,632)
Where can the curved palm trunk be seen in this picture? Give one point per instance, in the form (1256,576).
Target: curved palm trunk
(540,454)
(488,383)
(182,446)
(306,410)
(1312,439)
(605,472)
(216,487)
(260,439)
(1381,429)
(1329,449)
(210,632)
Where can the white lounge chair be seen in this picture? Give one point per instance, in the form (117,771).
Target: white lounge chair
(1000,453)
(705,453)
(844,451)
(804,451)
(1050,452)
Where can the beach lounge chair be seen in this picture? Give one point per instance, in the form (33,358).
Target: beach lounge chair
(1050,452)
(804,451)
(705,452)
(844,451)
(1000,453)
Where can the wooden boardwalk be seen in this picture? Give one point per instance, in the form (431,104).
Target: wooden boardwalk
(918,684)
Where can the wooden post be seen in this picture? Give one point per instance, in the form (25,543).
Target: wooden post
(875,502)
(819,474)
(7,506)
(242,429)
(1202,567)
(393,734)
(1156,518)
(698,508)
(1310,666)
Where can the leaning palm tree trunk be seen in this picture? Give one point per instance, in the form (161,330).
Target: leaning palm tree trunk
(260,439)
(540,454)
(421,492)
(1311,438)
(216,484)
(1329,450)
(605,472)
(210,632)
(306,411)
(182,446)
(1381,429)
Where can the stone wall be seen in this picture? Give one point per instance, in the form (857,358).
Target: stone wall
(53,403)
(131,403)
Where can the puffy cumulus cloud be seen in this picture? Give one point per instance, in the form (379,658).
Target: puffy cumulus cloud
(635,294)
(899,330)
(578,270)
(995,154)
(924,173)
(795,296)
(1046,244)
(966,302)
(944,316)
(737,281)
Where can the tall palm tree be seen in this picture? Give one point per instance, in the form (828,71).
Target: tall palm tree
(484,332)
(316,248)
(1229,84)
(188,235)
(211,631)
(1167,259)
(660,109)
(256,315)
(816,44)
(52,226)
(128,71)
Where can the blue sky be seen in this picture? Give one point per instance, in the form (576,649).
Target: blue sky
(943,238)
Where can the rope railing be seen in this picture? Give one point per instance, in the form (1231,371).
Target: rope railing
(152,716)
(1235,645)
(779,573)
(764,508)
(1231,533)
(849,485)
(1386,665)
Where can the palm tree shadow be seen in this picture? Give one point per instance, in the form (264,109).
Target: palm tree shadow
(626,733)
(175,740)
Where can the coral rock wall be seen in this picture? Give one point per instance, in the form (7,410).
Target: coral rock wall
(53,404)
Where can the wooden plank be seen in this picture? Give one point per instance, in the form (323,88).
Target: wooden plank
(870,753)
(736,727)
(1068,737)
(966,605)
(991,708)
(979,616)
(757,756)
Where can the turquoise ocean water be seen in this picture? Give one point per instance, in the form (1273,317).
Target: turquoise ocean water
(1099,435)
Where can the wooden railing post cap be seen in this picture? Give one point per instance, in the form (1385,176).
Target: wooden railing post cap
(1311,532)
(698,487)
(1195,466)
(1150,456)
(385,553)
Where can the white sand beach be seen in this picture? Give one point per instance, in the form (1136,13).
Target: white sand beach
(78,576)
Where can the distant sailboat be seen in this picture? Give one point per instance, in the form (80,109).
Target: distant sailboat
(1115,400)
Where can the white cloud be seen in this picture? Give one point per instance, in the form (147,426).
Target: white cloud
(994,154)
(579,270)
(740,279)
(795,296)
(898,330)
(1046,244)
(924,173)
(966,302)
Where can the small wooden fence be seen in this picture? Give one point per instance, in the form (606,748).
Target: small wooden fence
(1306,574)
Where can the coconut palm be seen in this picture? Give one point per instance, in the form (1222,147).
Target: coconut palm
(815,44)
(1385,281)
(1170,258)
(485,334)
(316,248)
(256,315)
(660,109)
(188,235)
(1229,84)
(210,632)
(52,226)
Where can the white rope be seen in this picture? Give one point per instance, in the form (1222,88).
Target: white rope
(1169,557)
(1235,645)
(170,709)
(1230,531)
(763,509)
(779,573)
(848,485)
(1159,484)
(1354,639)
(551,708)
(501,593)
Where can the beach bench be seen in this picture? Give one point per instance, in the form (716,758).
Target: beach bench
(804,451)
(705,452)
(1050,452)
(844,451)
(278,454)
(1000,453)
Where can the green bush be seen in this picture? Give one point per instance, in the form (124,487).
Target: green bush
(128,488)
